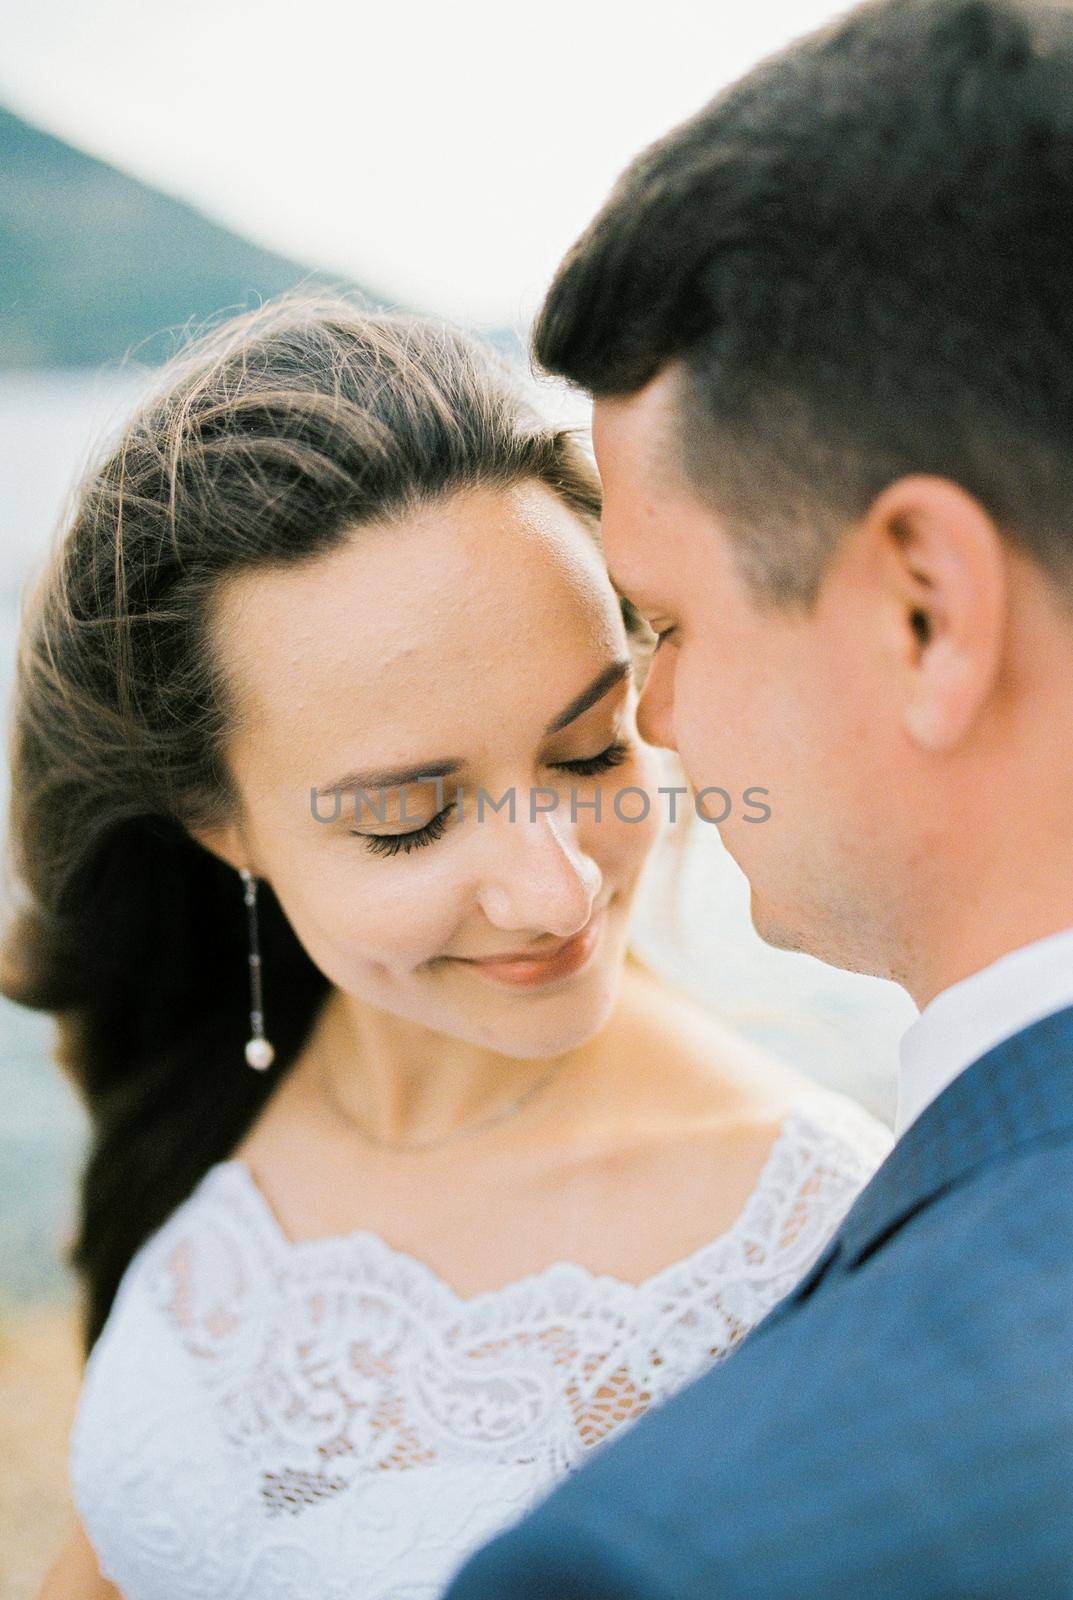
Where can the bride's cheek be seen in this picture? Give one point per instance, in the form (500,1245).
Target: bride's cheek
(392,926)
(630,814)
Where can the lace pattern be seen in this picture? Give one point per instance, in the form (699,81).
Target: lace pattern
(264,1419)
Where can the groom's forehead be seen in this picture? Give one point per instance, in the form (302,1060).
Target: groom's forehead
(637,571)
(621,422)
(636,437)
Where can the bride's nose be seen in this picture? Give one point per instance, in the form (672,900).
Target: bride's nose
(537,876)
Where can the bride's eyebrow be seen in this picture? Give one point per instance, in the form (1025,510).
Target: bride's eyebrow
(392,777)
(596,691)
(396,777)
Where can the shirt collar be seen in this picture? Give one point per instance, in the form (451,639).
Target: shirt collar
(965,1021)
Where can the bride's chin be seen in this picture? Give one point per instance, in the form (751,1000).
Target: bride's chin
(541,1024)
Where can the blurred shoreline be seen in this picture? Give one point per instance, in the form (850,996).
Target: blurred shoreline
(40,1372)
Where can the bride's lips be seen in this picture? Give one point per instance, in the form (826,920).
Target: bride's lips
(524,972)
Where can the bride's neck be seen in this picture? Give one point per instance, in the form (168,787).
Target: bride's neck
(403,1082)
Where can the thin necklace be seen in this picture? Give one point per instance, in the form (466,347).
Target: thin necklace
(445,1139)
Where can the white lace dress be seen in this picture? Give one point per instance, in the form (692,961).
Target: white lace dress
(328,1420)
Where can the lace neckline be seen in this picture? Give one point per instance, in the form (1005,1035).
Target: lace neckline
(797,1128)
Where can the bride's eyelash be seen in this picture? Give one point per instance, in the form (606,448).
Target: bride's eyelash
(390,844)
(589,766)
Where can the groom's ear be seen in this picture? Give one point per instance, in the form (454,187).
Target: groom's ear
(944,572)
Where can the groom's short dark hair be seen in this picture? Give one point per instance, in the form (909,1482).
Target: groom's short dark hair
(861,253)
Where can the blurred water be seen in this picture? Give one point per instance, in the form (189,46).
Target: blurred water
(840,1027)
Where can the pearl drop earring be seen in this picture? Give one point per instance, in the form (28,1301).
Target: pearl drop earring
(259,1053)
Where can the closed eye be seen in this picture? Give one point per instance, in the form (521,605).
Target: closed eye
(390,844)
(393,844)
(589,766)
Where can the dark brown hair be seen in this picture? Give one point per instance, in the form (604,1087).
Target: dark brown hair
(268,441)
(859,257)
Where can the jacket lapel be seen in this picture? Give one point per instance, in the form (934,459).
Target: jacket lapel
(1020,1091)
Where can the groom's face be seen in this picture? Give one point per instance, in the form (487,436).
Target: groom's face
(752,696)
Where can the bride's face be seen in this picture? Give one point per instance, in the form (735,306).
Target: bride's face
(480,640)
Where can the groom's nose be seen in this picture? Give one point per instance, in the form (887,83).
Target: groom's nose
(655,705)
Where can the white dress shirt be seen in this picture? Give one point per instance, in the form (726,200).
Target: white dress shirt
(965,1021)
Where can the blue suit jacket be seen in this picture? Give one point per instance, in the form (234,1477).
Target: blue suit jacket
(900,1425)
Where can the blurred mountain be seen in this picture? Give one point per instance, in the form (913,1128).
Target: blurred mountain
(95,264)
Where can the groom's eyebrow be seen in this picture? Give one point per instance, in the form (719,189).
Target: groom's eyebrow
(623,594)
(588,697)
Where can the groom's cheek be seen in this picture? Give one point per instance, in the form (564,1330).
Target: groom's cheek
(720,733)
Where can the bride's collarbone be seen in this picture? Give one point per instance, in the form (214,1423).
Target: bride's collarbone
(629,1206)
(659,1147)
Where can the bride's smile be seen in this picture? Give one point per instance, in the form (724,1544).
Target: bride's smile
(522,969)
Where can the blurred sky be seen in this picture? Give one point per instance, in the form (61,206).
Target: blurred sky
(446,153)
